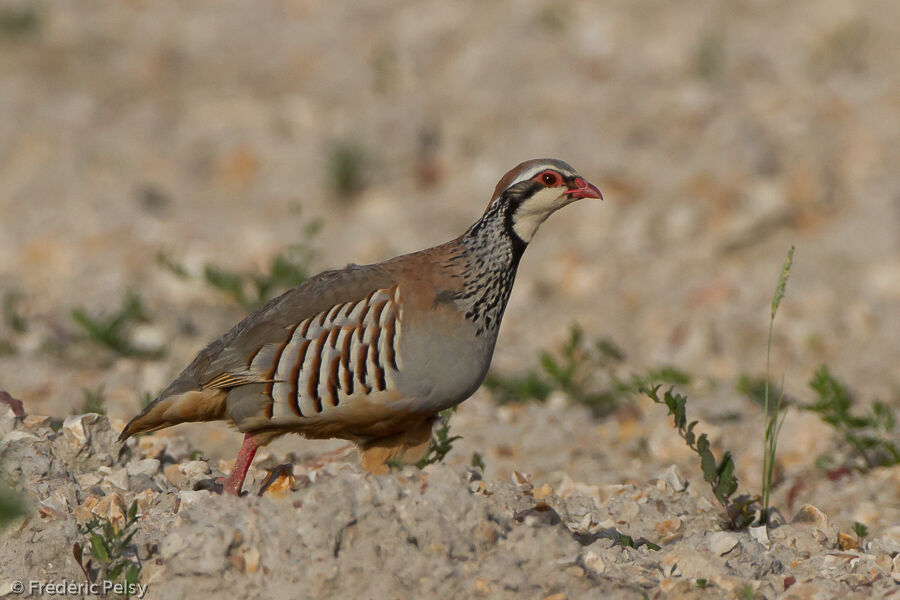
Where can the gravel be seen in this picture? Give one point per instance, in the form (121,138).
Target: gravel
(207,131)
(334,530)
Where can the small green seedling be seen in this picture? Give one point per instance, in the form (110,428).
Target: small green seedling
(861,531)
(478,462)
(167,262)
(112,331)
(147,398)
(869,435)
(584,372)
(719,474)
(626,541)
(441,441)
(754,389)
(252,290)
(348,161)
(110,545)
(94,401)
(11,506)
(12,315)
(441,444)
(20,21)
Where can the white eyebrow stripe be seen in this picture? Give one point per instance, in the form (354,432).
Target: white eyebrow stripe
(526,175)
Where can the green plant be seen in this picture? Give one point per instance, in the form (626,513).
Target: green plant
(664,375)
(868,435)
(347,164)
(147,398)
(229,282)
(110,544)
(754,388)
(165,260)
(585,372)
(19,21)
(251,290)
(11,506)
(861,531)
(710,55)
(555,17)
(285,271)
(441,440)
(11,313)
(529,386)
(719,474)
(627,541)
(843,48)
(574,370)
(112,331)
(385,69)
(477,462)
(774,416)
(94,401)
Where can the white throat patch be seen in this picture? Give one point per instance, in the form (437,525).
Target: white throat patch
(535,210)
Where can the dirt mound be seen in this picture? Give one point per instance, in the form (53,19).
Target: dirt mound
(335,531)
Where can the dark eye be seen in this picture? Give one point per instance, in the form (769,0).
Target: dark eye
(550,178)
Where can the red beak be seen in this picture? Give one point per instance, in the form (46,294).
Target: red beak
(584,189)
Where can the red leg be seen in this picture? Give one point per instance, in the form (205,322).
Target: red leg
(235,480)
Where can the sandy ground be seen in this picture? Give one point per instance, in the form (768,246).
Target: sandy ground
(719,135)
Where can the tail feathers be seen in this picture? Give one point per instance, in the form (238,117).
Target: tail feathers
(193,405)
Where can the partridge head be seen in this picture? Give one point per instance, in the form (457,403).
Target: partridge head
(371,353)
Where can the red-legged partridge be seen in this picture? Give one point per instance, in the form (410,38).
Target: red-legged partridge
(371,353)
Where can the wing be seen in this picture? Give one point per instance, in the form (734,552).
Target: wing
(331,358)
(236,357)
(330,339)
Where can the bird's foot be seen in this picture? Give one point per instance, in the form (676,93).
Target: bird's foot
(278,479)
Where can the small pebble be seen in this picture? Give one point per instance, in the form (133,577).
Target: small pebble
(722,542)
(594,562)
(890,538)
(146,466)
(194,468)
(542,492)
(760,534)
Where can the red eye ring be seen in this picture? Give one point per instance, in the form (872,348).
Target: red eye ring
(549,178)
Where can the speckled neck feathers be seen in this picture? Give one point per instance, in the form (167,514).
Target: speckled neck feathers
(489,254)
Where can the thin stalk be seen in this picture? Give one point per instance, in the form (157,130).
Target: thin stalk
(774,418)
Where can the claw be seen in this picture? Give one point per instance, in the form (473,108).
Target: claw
(285,471)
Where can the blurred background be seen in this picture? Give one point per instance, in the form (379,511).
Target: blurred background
(165,165)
